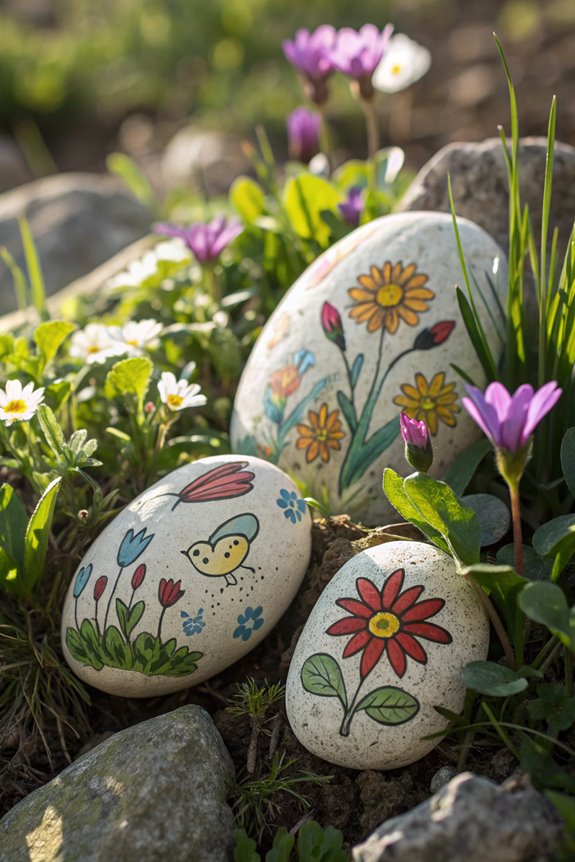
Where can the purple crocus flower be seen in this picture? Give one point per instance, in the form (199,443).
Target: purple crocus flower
(207,241)
(418,448)
(357,53)
(352,207)
(510,420)
(310,54)
(303,134)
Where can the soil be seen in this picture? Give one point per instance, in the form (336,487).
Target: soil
(354,802)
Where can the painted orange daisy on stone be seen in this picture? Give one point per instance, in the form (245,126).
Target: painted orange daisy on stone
(388,295)
(323,434)
(430,401)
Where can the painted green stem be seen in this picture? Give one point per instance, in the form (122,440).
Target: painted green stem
(344,729)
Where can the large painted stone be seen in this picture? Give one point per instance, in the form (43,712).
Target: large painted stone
(386,642)
(188,578)
(370,329)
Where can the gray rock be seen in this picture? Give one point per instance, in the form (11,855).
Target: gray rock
(152,792)
(480,188)
(202,159)
(13,168)
(471,819)
(78,221)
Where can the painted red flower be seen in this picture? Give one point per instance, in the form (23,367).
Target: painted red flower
(169,592)
(220,483)
(389,620)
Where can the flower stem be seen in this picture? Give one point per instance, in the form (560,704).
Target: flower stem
(344,729)
(516,517)
(372,130)
(325,136)
(112,595)
(160,625)
(497,625)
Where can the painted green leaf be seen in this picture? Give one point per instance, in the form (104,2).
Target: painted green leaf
(389,705)
(38,534)
(305,196)
(49,336)
(568,458)
(248,198)
(115,647)
(347,410)
(494,680)
(322,675)
(134,617)
(143,648)
(545,603)
(122,613)
(393,489)
(81,650)
(356,369)
(440,507)
(129,377)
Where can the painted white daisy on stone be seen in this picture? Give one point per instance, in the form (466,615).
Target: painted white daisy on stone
(94,344)
(18,403)
(179,394)
(404,63)
(136,336)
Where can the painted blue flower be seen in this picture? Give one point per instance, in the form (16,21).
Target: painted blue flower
(132,547)
(193,625)
(293,506)
(250,621)
(82,579)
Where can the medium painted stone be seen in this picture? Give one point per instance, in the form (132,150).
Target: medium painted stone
(188,578)
(370,329)
(386,642)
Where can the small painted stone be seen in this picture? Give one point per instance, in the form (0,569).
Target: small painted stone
(386,642)
(188,578)
(371,328)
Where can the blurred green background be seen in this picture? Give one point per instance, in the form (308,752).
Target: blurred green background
(74,70)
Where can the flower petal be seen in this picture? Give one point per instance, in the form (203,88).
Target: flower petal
(423,610)
(347,626)
(371,655)
(396,657)
(542,402)
(392,588)
(357,643)
(429,631)
(369,593)
(406,600)
(358,609)
(412,647)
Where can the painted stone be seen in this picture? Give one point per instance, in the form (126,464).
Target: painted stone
(188,578)
(370,329)
(386,642)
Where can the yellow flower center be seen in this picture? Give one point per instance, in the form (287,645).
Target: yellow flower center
(395,69)
(132,342)
(321,435)
(383,625)
(93,348)
(389,295)
(174,401)
(427,403)
(16,406)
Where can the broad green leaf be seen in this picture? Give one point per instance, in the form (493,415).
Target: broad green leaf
(124,167)
(134,617)
(556,539)
(462,470)
(248,198)
(553,706)
(122,614)
(38,534)
(535,568)
(493,514)
(546,604)
(129,377)
(49,336)
(494,680)
(353,172)
(13,522)
(389,705)
(395,493)
(322,675)
(347,409)
(439,506)
(8,571)
(245,847)
(51,429)
(305,197)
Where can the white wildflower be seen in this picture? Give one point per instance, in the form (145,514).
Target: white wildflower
(404,63)
(94,344)
(18,403)
(136,336)
(179,394)
(173,250)
(136,273)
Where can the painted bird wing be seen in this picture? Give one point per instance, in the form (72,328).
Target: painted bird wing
(240,525)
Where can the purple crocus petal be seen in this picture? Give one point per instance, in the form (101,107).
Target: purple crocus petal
(514,420)
(482,413)
(352,207)
(310,52)
(357,54)
(225,237)
(541,403)
(197,240)
(171,230)
(497,395)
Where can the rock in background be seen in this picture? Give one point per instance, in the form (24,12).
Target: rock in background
(78,221)
(471,819)
(153,791)
(480,189)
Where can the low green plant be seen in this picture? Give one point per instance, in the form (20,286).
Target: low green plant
(314,844)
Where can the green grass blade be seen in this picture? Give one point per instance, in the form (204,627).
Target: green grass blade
(477,335)
(18,278)
(35,277)
(543,286)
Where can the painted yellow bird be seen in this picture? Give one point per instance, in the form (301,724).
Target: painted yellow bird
(226,549)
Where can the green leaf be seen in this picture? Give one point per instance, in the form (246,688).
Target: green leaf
(439,506)
(568,458)
(535,568)
(129,377)
(356,369)
(381,440)
(347,410)
(556,539)
(476,334)
(134,617)
(493,514)
(117,649)
(389,705)
(546,604)
(122,614)
(51,429)
(245,847)
(503,584)
(553,706)
(124,167)
(248,198)
(49,336)
(38,535)
(394,491)
(13,521)
(461,471)
(322,675)
(305,196)
(494,680)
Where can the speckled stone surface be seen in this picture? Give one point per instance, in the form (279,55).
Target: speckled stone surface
(386,642)
(188,578)
(371,328)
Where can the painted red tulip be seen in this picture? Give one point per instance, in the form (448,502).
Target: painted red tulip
(138,576)
(332,324)
(100,586)
(169,592)
(221,483)
(434,336)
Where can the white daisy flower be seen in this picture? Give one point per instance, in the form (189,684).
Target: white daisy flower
(404,63)
(18,403)
(94,344)
(179,394)
(136,336)
(173,250)
(136,273)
